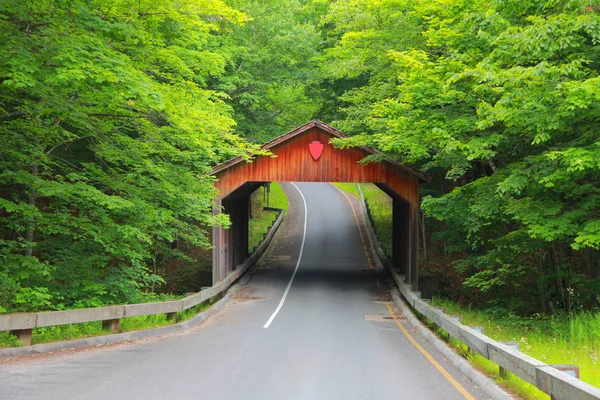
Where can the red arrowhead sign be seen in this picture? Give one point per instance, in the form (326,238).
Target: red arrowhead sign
(316,149)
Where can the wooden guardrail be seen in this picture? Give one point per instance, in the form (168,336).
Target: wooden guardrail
(22,324)
(559,385)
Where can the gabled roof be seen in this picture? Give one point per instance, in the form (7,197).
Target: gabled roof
(333,132)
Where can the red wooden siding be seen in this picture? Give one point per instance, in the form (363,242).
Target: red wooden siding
(293,163)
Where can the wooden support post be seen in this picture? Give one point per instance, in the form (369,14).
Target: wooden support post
(479,329)
(400,254)
(243,226)
(414,246)
(24,335)
(229,207)
(112,325)
(170,316)
(217,247)
(502,372)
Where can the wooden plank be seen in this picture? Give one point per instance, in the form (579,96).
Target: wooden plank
(17,321)
(562,386)
(24,335)
(514,361)
(112,325)
(194,300)
(53,318)
(133,310)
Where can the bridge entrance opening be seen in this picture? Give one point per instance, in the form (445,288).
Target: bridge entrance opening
(306,155)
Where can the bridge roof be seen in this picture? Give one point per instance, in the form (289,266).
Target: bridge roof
(334,133)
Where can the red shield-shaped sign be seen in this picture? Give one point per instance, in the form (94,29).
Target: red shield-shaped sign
(316,149)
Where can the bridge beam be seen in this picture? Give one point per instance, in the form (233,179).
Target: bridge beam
(217,252)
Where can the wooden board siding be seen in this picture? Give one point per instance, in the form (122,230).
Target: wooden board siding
(293,163)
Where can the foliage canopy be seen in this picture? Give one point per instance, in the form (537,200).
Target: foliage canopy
(113,111)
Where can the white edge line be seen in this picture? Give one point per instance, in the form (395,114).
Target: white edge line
(287,289)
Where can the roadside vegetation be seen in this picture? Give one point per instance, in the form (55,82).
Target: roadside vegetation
(554,339)
(261,220)
(557,339)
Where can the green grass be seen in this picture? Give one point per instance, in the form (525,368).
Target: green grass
(351,188)
(380,205)
(261,219)
(89,329)
(553,340)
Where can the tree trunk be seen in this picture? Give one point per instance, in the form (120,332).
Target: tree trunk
(423,235)
(30,229)
(445,260)
(541,288)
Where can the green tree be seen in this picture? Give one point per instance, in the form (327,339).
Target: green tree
(269,70)
(503,98)
(108,129)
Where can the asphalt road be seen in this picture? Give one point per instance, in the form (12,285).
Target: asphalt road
(332,338)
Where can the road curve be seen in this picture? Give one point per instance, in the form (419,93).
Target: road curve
(330,338)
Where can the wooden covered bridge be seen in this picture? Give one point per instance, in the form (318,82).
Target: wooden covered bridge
(305,155)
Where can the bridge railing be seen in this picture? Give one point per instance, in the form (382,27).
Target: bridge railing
(22,324)
(559,385)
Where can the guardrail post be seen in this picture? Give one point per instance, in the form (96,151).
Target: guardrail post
(111,325)
(170,316)
(24,335)
(512,345)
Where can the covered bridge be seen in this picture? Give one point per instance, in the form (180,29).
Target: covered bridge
(305,155)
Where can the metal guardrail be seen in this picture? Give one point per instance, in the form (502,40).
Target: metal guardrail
(559,385)
(23,323)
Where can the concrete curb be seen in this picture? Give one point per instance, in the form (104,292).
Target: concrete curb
(119,337)
(486,384)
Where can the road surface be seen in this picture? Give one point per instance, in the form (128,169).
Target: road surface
(327,335)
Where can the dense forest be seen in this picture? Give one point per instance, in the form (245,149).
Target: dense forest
(113,111)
